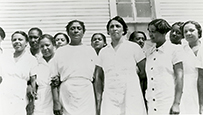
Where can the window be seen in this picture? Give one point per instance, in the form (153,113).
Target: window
(133,10)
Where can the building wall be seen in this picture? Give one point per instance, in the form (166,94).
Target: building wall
(52,16)
(179,10)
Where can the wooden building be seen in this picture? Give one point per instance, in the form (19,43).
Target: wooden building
(53,15)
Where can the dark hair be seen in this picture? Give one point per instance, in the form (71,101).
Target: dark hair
(48,36)
(197,25)
(120,20)
(22,33)
(71,22)
(2,33)
(67,38)
(103,37)
(133,35)
(162,26)
(178,23)
(35,28)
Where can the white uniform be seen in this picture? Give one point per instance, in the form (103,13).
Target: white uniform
(13,86)
(189,101)
(44,102)
(160,75)
(75,66)
(122,92)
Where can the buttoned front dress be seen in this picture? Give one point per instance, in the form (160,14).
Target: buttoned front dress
(161,80)
(122,93)
(75,66)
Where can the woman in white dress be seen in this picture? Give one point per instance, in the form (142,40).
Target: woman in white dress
(74,64)
(122,92)
(16,71)
(192,33)
(40,78)
(164,71)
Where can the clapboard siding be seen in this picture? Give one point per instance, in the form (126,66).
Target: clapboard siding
(52,16)
(179,10)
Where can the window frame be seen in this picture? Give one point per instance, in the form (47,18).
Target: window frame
(113,12)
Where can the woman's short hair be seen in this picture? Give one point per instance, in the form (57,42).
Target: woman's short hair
(133,35)
(120,20)
(37,29)
(103,37)
(22,33)
(71,22)
(178,23)
(48,36)
(197,25)
(67,38)
(162,26)
(2,33)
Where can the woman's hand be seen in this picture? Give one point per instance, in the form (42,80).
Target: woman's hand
(57,108)
(1,79)
(175,109)
(55,82)
(30,107)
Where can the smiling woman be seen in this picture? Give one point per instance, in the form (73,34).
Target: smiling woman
(18,65)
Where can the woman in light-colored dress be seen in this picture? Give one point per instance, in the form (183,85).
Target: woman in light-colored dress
(122,92)
(192,33)
(16,71)
(40,78)
(74,64)
(164,71)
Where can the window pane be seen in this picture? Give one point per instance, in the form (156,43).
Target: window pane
(143,9)
(141,0)
(124,10)
(123,1)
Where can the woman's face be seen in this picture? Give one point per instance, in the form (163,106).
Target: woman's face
(60,40)
(97,42)
(19,42)
(154,35)
(46,47)
(190,32)
(115,30)
(139,39)
(176,34)
(76,33)
(34,39)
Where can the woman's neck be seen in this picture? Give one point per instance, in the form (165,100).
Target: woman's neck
(48,58)
(158,44)
(75,44)
(18,53)
(34,51)
(116,42)
(195,43)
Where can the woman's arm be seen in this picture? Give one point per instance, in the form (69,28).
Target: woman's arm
(178,70)
(98,85)
(55,83)
(200,89)
(31,94)
(141,67)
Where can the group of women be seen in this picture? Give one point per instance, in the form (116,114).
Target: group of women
(76,79)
